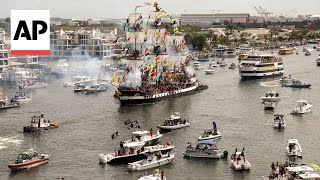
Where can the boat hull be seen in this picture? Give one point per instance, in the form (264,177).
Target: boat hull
(174,127)
(37,129)
(240,165)
(254,77)
(138,167)
(120,159)
(298,86)
(9,106)
(207,155)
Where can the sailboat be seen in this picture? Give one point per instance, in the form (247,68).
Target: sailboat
(157,67)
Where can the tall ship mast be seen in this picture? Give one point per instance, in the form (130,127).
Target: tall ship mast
(156,53)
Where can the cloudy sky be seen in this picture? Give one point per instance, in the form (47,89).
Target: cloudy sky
(121,8)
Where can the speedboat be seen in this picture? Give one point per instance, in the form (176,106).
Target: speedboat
(239,161)
(205,149)
(210,71)
(153,159)
(29,159)
(210,134)
(271,96)
(155,176)
(302,107)
(39,123)
(269,105)
(294,148)
(75,79)
(223,64)
(296,84)
(318,61)
(174,122)
(36,85)
(143,136)
(279,122)
(232,66)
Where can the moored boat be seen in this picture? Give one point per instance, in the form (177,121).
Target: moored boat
(28,160)
(205,149)
(174,122)
(39,123)
(210,134)
(294,148)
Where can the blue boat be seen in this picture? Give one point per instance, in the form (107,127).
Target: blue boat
(203,60)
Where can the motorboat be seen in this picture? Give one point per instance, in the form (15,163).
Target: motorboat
(279,122)
(153,159)
(304,49)
(232,66)
(197,66)
(296,84)
(205,149)
(29,159)
(4,104)
(143,136)
(210,134)
(308,53)
(302,107)
(203,60)
(210,71)
(82,85)
(223,64)
(239,161)
(213,65)
(271,96)
(285,79)
(294,148)
(39,123)
(75,79)
(174,122)
(157,175)
(99,87)
(36,85)
(269,105)
(318,61)
(21,97)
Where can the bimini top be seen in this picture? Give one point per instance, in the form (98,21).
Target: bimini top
(280,115)
(208,142)
(293,141)
(300,169)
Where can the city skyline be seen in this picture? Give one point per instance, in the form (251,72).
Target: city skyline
(102,9)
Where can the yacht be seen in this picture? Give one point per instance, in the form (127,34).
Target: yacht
(271,96)
(239,161)
(302,107)
(318,61)
(286,51)
(174,122)
(39,123)
(225,52)
(294,148)
(99,87)
(153,159)
(269,105)
(142,136)
(205,149)
(210,134)
(279,122)
(296,84)
(260,66)
(29,159)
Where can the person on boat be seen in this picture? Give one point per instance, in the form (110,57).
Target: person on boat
(287,163)
(189,145)
(115,153)
(151,132)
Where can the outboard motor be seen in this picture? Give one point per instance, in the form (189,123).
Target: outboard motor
(225,154)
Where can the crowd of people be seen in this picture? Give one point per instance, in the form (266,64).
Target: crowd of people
(279,170)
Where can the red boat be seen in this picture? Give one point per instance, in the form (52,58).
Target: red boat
(29,159)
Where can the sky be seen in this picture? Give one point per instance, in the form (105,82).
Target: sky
(121,8)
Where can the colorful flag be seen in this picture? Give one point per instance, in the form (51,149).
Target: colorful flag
(114,78)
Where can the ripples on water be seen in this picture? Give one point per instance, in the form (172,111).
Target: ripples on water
(87,121)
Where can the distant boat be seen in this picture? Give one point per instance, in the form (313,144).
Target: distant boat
(278,121)
(239,162)
(203,60)
(302,107)
(294,148)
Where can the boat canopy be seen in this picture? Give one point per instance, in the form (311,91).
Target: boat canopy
(140,133)
(278,115)
(208,142)
(300,169)
(293,141)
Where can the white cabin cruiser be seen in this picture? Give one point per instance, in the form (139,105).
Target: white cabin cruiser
(210,134)
(302,107)
(239,161)
(269,105)
(153,159)
(271,96)
(205,149)
(279,122)
(142,136)
(294,148)
(155,176)
(174,122)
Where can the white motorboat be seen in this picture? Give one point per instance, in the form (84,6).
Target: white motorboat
(210,134)
(174,122)
(302,107)
(318,61)
(99,87)
(154,159)
(239,161)
(205,149)
(297,53)
(155,176)
(303,172)
(36,85)
(82,85)
(223,64)
(279,122)
(269,105)
(294,148)
(210,71)
(142,136)
(296,84)
(271,96)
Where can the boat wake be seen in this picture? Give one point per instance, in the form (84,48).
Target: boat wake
(274,83)
(5,141)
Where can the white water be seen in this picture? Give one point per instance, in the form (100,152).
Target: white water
(6,141)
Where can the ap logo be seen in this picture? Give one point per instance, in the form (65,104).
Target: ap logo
(30,32)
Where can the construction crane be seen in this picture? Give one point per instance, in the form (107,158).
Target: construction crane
(262,12)
(284,16)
